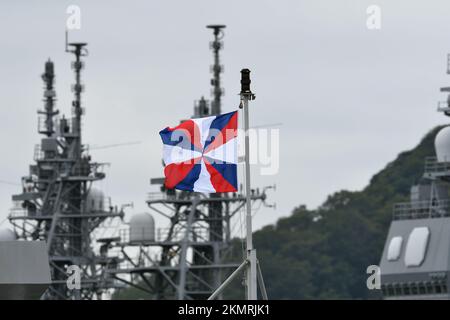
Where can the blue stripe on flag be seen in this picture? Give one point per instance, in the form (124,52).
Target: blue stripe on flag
(178,139)
(227,170)
(217,125)
(187,183)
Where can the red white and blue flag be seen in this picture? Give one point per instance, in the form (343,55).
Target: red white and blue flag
(201,154)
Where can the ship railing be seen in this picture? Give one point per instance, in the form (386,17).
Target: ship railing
(42,124)
(198,233)
(91,169)
(37,213)
(160,196)
(18,212)
(422,209)
(138,263)
(153,196)
(443,106)
(38,154)
(124,234)
(434,166)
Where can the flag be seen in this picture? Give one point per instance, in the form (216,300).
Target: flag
(201,154)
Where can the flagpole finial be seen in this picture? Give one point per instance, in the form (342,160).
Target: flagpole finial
(245,84)
(245,81)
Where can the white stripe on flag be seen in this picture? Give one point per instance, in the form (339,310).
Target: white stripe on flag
(204,124)
(226,152)
(175,154)
(203,183)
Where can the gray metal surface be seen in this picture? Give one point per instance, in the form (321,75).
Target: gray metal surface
(437,256)
(413,275)
(24,269)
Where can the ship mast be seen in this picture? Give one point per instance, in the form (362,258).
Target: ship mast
(58,204)
(216,45)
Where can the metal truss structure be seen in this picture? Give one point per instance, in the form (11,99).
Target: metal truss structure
(58,204)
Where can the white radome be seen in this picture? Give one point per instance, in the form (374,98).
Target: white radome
(7,235)
(442,145)
(95,200)
(142,228)
(416,247)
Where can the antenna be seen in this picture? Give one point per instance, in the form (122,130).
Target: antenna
(79,50)
(115,145)
(216,45)
(46,123)
(66,42)
(448,63)
(444,106)
(9,183)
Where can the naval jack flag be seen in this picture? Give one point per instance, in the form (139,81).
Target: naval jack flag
(201,154)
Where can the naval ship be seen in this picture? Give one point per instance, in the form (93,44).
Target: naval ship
(415,263)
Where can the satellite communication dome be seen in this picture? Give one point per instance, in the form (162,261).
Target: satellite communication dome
(142,228)
(7,235)
(442,145)
(95,200)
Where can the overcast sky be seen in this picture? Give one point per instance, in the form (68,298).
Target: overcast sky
(349,99)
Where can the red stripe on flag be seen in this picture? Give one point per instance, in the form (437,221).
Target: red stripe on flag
(176,172)
(192,130)
(217,180)
(227,133)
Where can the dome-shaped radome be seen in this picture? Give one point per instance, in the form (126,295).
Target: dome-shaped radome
(142,228)
(442,145)
(95,200)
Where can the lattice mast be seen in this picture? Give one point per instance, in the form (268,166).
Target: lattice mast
(195,250)
(57,203)
(216,69)
(46,122)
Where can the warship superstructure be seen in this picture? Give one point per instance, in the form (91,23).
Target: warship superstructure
(59,203)
(24,265)
(416,258)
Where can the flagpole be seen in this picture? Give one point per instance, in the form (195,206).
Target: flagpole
(250,264)
(251,278)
